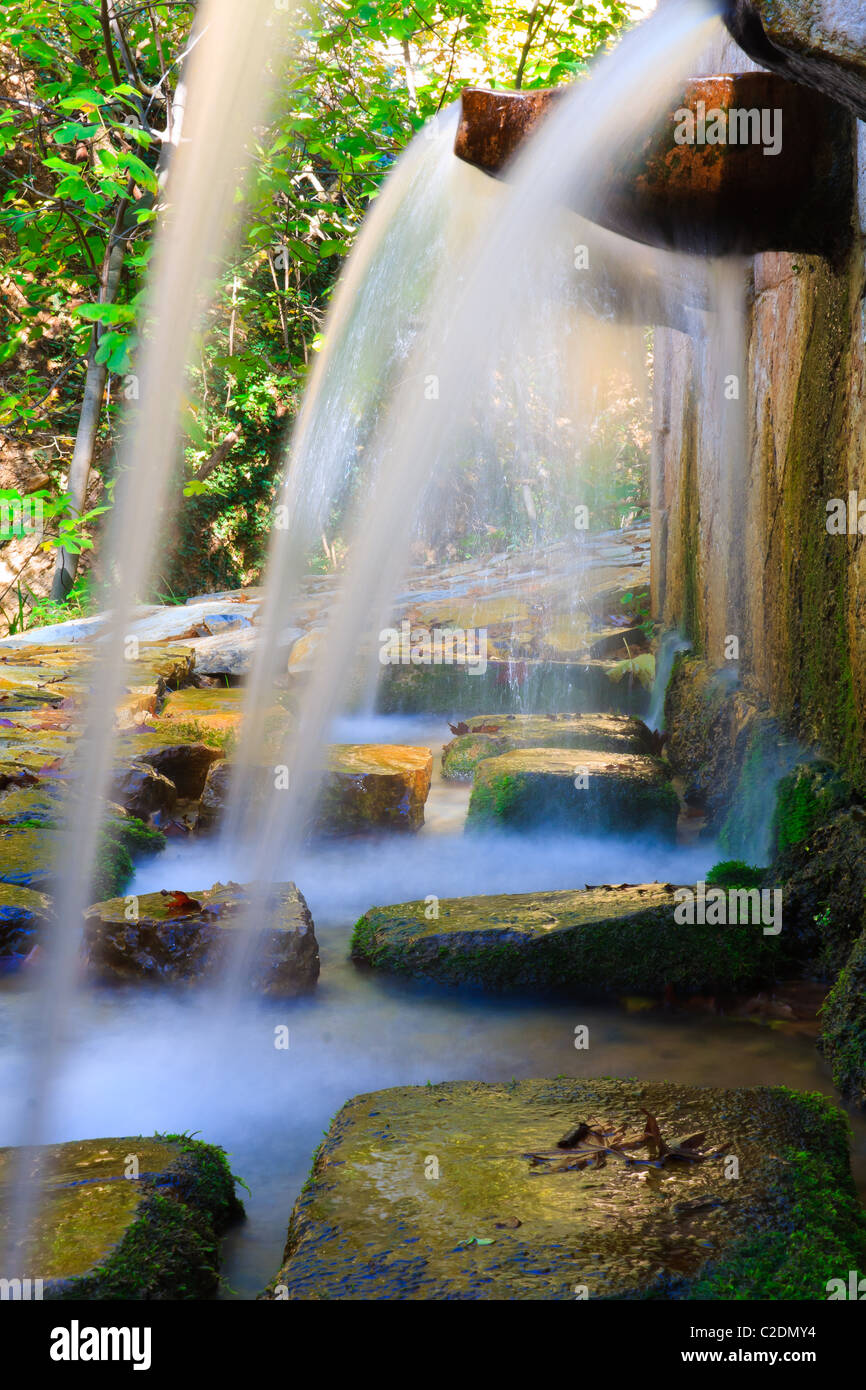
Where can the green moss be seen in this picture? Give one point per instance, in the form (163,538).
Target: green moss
(805,799)
(733,873)
(843,1035)
(119,841)
(200,731)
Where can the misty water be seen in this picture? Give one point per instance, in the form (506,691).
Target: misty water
(139,1061)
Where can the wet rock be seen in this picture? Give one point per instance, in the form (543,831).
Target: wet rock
(510,685)
(820,43)
(823,879)
(213,797)
(219,709)
(374,786)
(843,1036)
(30,852)
(596,942)
(183,763)
(729,752)
(143,792)
(493,1223)
(23,914)
(574,789)
(491,734)
(133,1218)
(365,787)
(27,855)
(179,938)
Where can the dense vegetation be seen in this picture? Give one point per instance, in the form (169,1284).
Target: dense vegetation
(89,111)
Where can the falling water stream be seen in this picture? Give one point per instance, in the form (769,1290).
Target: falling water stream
(460,308)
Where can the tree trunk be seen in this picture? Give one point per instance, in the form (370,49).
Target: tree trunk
(66,566)
(91,410)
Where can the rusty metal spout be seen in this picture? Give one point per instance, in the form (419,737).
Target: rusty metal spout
(784,181)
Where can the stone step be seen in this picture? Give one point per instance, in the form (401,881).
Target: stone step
(129,1218)
(460,1191)
(492,734)
(584,790)
(607,940)
(365,787)
(181,939)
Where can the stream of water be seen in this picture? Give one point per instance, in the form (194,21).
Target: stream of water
(139,1061)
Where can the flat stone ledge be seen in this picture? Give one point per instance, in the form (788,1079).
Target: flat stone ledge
(460,1191)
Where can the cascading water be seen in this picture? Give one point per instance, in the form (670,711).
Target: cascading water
(444,369)
(224,101)
(440,338)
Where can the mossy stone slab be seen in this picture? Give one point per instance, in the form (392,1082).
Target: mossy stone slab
(576,789)
(130,1218)
(436,1193)
(591,942)
(181,939)
(491,734)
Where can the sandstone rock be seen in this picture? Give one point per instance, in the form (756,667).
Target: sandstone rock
(374,786)
(365,787)
(103,1234)
(219,709)
(600,941)
(182,939)
(575,789)
(608,733)
(513,1217)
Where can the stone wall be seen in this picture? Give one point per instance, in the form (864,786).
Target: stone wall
(740,545)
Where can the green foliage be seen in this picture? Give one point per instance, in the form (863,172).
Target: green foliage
(734,873)
(80,140)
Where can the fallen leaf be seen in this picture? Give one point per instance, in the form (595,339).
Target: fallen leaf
(180,904)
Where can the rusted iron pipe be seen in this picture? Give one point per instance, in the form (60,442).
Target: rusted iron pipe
(679,190)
